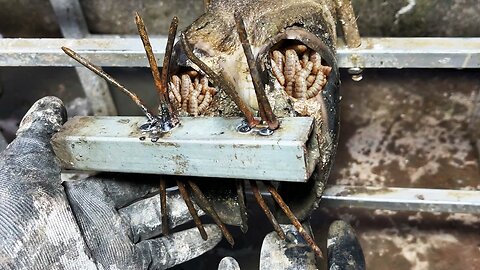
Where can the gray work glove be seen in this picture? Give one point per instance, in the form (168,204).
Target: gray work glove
(343,251)
(91,224)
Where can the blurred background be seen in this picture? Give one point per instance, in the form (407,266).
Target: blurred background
(399,127)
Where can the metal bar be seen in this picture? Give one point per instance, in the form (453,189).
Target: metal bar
(73,25)
(402,199)
(70,18)
(129,52)
(209,147)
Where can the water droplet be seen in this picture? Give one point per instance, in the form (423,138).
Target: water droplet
(357,77)
(356,73)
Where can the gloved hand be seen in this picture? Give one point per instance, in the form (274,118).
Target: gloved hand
(343,251)
(96,223)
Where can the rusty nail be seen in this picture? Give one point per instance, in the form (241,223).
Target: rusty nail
(222,83)
(172,31)
(163,206)
(97,70)
(165,106)
(208,207)
(243,208)
(261,202)
(263,103)
(276,196)
(191,209)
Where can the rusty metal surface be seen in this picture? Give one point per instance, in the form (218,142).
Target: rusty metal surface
(122,52)
(208,147)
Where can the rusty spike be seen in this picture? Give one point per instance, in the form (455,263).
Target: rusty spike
(191,209)
(208,207)
(163,206)
(276,196)
(166,108)
(263,103)
(97,70)
(268,213)
(172,31)
(220,82)
(240,185)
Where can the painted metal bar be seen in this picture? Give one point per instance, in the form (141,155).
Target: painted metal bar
(208,147)
(402,199)
(128,52)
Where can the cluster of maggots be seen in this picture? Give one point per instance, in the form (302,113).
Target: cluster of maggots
(168,120)
(300,71)
(190,92)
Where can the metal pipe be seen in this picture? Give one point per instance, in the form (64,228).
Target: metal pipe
(402,199)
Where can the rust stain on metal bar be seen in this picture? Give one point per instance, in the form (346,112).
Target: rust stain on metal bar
(163,206)
(268,213)
(349,23)
(276,196)
(208,207)
(263,104)
(110,79)
(240,185)
(191,209)
(220,82)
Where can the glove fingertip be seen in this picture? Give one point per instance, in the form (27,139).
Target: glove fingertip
(344,249)
(45,117)
(228,263)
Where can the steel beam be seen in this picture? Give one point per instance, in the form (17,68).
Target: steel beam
(402,199)
(128,52)
(208,147)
